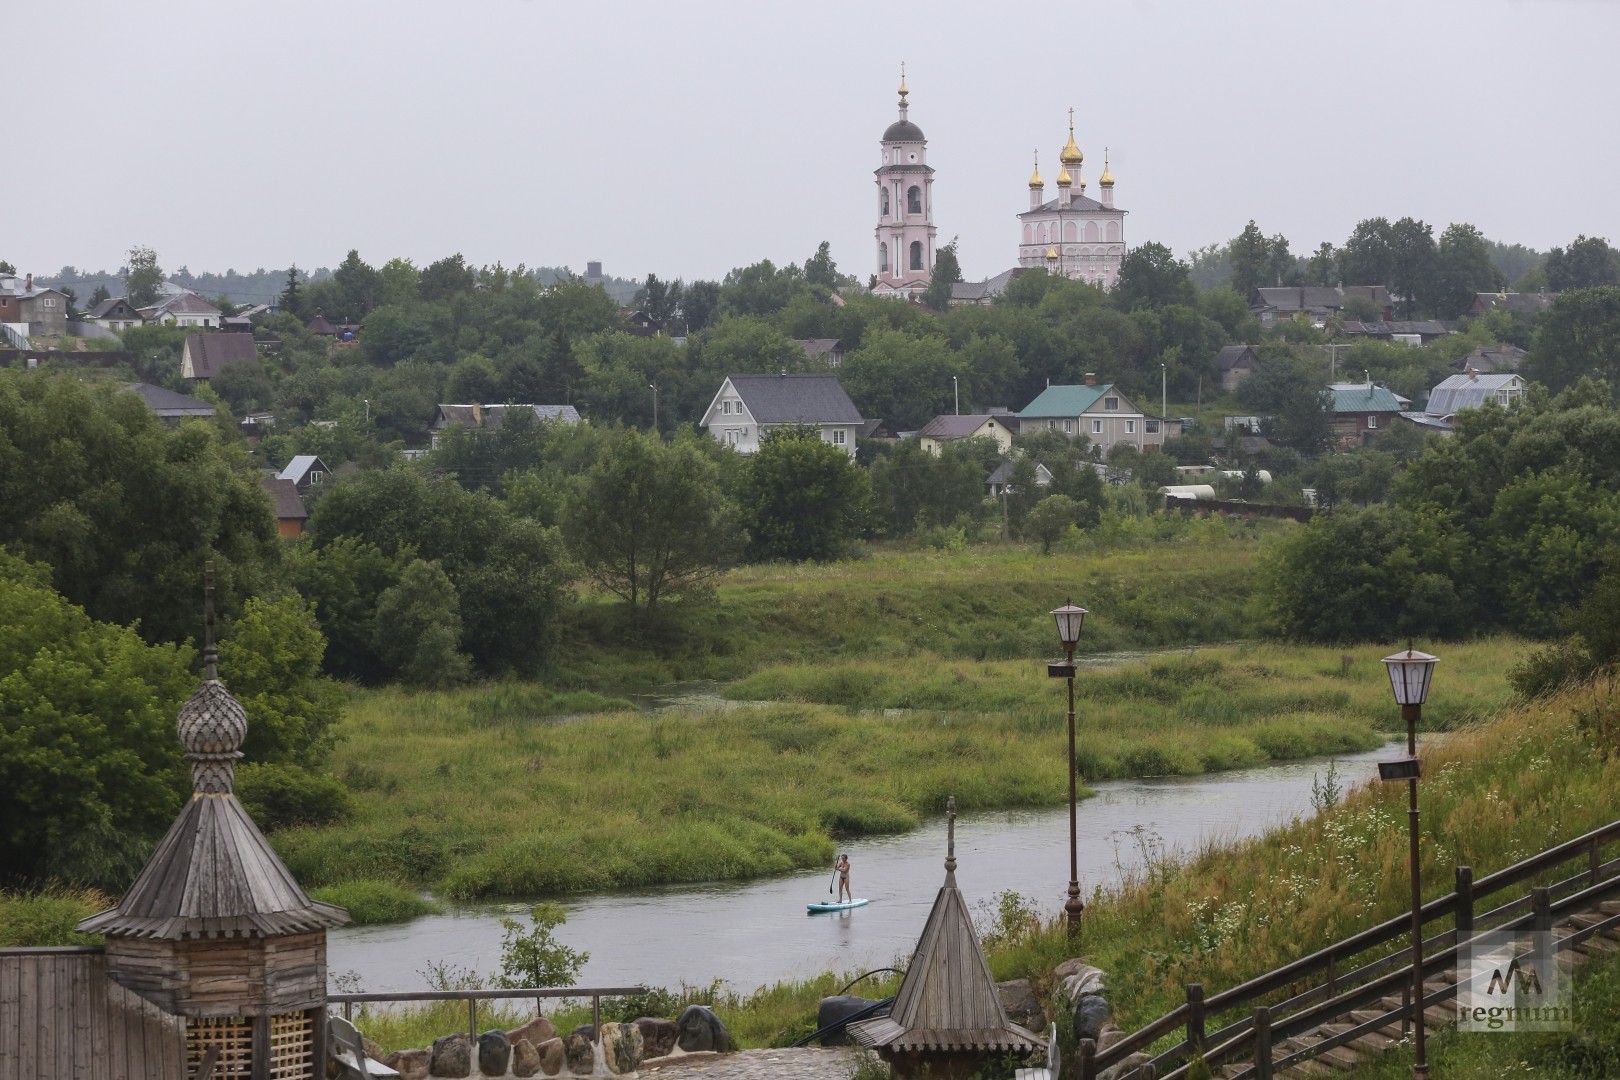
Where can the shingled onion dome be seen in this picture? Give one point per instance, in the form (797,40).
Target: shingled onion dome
(213,874)
(1035,180)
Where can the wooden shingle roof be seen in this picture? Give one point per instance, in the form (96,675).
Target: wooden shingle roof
(948,999)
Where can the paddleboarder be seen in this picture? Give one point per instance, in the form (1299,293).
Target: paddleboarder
(841,867)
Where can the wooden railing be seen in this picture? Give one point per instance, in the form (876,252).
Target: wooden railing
(473,997)
(1337,988)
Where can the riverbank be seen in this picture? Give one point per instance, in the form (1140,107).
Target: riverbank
(471,802)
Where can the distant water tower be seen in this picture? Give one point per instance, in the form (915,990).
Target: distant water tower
(593,273)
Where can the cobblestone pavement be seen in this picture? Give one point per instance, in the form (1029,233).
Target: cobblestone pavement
(797,1063)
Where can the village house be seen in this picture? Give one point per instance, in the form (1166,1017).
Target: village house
(1099,412)
(1361,410)
(1514,303)
(1491,359)
(477,417)
(999,482)
(183,309)
(204,356)
(1234,363)
(943,429)
(823,352)
(171,407)
(42,312)
(305,471)
(1406,332)
(1470,390)
(287,504)
(1318,303)
(115,313)
(748,406)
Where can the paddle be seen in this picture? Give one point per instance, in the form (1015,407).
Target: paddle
(834,879)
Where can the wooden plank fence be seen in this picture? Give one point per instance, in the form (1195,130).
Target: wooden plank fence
(61,1018)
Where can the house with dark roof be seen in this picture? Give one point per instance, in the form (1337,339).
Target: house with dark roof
(169,406)
(1361,410)
(184,309)
(1491,359)
(205,355)
(984,293)
(477,417)
(1406,331)
(1099,412)
(1514,303)
(748,406)
(115,313)
(1234,363)
(999,482)
(1319,303)
(287,505)
(42,311)
(823,352)
(943,429)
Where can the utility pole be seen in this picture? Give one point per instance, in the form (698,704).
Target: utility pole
(654,387)
(956,394)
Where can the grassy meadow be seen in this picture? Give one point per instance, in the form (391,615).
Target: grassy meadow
(476,801)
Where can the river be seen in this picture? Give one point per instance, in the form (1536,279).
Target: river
(754,933)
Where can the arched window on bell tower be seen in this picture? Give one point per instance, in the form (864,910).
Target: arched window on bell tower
(883,256)
(914,200)
(916,252)
(884,207)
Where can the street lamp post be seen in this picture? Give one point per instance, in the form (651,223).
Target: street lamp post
(654,388)
(956,395)
(1409,675)
(1069,621)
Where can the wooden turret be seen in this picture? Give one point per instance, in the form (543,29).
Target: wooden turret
(947,1018)
(216,929)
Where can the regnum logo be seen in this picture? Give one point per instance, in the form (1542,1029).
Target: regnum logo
(1512,982)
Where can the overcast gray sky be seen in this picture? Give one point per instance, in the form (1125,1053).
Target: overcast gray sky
(685,139)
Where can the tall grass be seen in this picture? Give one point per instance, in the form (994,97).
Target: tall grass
(478,806)
(48,916)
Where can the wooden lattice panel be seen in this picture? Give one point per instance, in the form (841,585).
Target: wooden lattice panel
(292,1046)
(232,1035)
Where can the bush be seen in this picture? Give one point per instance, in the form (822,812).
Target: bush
(280,796)
(370,902)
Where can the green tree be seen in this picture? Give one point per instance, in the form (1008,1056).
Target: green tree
(760,289)
(359,287)
(1368,255)
(292,300)
(1412,267)
(912,487)
(903,378)
(90,770)
(1463,267)
(124,509)
(417,628)
(1586,263)
(100,294)
(271,660)
(819,269)
(649,521)
(1150,276)
(1578,336)
(947,272)
(1051,519)
(532,956)
(1322,269)
(1294,404)
(1249,254)
(699,304)
(343,582)
(143,277)
(802,498)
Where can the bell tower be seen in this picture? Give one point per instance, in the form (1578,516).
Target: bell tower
(905,190)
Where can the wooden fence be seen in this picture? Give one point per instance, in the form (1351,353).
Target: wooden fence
(1329,984)
(61,1018)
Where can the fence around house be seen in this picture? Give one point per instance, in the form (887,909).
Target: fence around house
(1240,509)
(1268,1010)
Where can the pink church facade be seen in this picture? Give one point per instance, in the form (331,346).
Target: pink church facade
(904,237)
(1073,235)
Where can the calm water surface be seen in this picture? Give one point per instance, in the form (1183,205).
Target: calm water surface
(750,934)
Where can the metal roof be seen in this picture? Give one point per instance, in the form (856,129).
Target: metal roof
(1363,398)
(961,427)
(168,404)
(1469,391)
(795,399)
(1060,401)
(300,466)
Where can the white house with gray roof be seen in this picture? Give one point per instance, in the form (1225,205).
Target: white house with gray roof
(748,406)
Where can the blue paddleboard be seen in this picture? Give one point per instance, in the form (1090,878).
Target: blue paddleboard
(830,906)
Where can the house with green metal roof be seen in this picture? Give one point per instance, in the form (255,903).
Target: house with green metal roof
(1362,410)
(1098,411)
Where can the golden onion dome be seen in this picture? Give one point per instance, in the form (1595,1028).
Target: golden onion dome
(1063,179)
(1051,253)
(1035,180)
(1107,179)
(1071,153)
